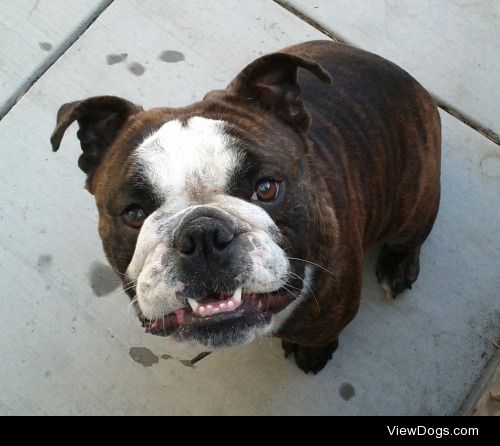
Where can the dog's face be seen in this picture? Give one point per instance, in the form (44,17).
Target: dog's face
(204,210)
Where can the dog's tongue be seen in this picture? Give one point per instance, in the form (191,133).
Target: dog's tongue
(179,315)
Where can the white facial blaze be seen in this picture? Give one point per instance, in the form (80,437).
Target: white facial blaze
(189,166)
(181,161)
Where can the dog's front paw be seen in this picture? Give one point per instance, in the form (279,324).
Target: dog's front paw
(310,359)
(397,271)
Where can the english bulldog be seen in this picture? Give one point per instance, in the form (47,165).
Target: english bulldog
(250,212)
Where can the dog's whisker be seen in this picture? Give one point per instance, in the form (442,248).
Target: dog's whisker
(116,282)
(302,292)
(316,300)
(291,291)
(130,287)
(293,288)
(296,276)
(131,306)
(313,264)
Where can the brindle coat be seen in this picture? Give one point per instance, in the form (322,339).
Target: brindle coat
(361,139)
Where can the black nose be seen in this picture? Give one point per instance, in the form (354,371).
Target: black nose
(206,238)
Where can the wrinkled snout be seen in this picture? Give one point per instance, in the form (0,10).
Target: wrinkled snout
(206,238)
(213,273)
(209,247)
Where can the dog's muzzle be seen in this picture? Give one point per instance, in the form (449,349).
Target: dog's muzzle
(212,277)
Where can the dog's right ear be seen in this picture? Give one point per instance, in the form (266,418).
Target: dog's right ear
(100,120)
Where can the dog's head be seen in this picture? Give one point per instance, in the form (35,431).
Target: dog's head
(205,209)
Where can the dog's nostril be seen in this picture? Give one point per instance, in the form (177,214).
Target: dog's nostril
(205,237)
(187,245)
(222,238)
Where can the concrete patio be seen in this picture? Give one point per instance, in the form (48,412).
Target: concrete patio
(69,344)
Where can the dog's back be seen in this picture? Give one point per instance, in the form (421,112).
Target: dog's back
(380,123)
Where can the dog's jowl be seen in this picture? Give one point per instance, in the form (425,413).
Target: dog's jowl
(250,213)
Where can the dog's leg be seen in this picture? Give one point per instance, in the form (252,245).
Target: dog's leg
(398,263)
(312,333)
(310,359)
(397,269)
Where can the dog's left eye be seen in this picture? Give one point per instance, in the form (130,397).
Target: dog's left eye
(266,190)
(134,216)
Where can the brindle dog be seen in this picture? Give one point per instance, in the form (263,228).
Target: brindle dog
(251,212)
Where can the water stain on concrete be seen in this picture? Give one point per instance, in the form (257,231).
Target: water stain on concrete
(170,56)
(144,356)
(347,391)
(187,363)
(45,46)
(490,166)
(35,7)
(44,262)
(103,279)
(113,59)
(136,69)
(192,362)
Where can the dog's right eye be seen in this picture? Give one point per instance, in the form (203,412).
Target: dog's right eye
(134,216)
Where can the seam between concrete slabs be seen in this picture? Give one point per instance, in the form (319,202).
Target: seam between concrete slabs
(39,71)
(467,120)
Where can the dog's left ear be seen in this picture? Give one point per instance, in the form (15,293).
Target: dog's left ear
(272,81)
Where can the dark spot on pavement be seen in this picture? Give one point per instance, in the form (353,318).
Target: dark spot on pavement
(166,357)
(347,391)
(44,262)
(47,374)
(136,69)
(172,56)
(103,279)
(144,356)
(490,166)
(45,46)
(191,362)
(200,357)
(35,6)
(187,363)
(113,59)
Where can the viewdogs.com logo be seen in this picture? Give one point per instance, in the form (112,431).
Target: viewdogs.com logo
(437,432)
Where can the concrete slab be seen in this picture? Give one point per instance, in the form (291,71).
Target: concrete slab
(65,350)
(489,405)
(34,33)
(485,398)
(452,47)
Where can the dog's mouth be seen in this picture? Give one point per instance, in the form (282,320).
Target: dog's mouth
(223,308)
